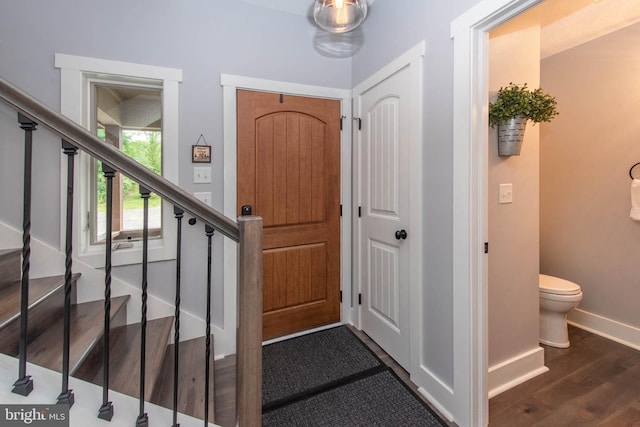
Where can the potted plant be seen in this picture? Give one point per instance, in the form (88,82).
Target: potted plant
(514,106)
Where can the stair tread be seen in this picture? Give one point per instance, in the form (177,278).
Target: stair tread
(125,352)
(87,325)
(39,290)
(191,383)
(9,251)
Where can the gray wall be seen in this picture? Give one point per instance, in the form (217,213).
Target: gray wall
(513,227)
(203,38)
(585,156)
(208,38)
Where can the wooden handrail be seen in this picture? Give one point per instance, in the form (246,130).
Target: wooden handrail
(78,136)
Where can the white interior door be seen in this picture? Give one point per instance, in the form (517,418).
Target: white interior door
(385,231)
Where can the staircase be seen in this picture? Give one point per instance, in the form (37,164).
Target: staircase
(46,303)
(42,324)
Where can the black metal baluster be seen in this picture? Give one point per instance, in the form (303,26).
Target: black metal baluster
(179,213)
(66,396)
(143,418)
(24,384)
(106,410)
(207,352)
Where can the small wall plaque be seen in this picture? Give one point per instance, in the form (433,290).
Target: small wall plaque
(201,153)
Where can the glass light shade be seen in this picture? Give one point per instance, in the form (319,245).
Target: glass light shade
(339,16)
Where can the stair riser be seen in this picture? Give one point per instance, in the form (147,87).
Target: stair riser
(10,267)
(91,365)
(125,351)
(191,379)
(40,317)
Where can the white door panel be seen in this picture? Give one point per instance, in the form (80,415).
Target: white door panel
(384,290)
(384,156)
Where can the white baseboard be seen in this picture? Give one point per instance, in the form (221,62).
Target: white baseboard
(433,401)
(611,329)
(510,373)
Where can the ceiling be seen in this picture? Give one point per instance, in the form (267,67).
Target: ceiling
(296,7)
(569,23)
(565,23)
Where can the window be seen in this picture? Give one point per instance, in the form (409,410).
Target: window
(129,117)
(135,108)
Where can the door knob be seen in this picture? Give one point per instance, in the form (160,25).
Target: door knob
(401,234)
(245,210)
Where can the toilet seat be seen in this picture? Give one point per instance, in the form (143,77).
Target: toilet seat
(557,286)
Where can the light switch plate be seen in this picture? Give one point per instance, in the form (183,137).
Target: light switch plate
(505,194)
(204,196)
(201,174)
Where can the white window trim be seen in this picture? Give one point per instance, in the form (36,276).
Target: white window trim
(74,74)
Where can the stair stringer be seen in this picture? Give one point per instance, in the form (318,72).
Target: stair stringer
(49,261)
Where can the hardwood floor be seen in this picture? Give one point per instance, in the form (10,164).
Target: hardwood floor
(595,382)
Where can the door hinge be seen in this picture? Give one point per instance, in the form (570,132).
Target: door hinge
(359,299)
(341,119)
(359,211)
(486,247)
(359,120)
(281,98)
(340,296)
(341,210)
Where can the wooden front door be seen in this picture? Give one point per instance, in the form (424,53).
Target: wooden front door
(289,173)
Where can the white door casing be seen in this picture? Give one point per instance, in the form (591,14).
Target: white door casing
(388,182)
(469,404)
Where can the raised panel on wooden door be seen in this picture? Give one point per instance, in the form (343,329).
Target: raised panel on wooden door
(294,276)
(290,159)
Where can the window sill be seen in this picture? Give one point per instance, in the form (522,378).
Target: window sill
(158,250)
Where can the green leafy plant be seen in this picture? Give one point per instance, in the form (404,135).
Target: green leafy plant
(515,100)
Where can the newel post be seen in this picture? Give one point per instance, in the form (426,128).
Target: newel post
(249,351)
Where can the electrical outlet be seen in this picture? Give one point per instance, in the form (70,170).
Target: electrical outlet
(201,175)
(204,197)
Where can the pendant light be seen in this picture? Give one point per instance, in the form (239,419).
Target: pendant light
(339,16)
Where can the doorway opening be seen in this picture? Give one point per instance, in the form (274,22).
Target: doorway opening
(469,32)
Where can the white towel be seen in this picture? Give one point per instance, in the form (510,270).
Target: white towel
(635,199)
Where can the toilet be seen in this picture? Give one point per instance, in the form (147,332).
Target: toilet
(557,298)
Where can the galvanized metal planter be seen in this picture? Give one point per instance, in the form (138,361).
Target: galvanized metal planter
(511,135)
